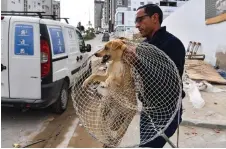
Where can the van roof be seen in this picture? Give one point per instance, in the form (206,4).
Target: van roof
(42,20)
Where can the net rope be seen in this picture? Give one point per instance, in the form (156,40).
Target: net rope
(151,90)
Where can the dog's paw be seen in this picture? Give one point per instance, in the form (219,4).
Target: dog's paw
(104,85)
(85,84)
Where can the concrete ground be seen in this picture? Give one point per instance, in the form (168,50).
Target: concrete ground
(65,130)
(212,115)
(198,137)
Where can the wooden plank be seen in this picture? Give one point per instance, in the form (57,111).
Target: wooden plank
(201,70)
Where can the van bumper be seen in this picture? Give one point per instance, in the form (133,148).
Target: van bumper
(50,93)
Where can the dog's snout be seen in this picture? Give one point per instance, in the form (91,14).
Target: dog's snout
(96,54)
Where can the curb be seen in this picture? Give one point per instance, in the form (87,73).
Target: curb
(203,124)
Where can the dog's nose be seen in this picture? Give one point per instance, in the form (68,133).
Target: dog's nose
(96,54)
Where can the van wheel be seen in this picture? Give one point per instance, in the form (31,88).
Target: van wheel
(61,104)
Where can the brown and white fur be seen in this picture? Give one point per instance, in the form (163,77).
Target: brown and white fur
(121,101)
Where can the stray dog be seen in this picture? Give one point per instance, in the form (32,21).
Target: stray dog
(112,52)
(120,105)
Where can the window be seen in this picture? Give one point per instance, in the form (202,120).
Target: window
(57,38)
(73,41)
(163,3)
(141,3)
(29,6)
(18,1)
(134,9)
(119,2)
(81,41)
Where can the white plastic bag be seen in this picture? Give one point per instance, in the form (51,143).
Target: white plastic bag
(195,96)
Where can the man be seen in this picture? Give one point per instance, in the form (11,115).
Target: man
(148,20)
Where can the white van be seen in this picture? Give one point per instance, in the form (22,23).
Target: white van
(40,61)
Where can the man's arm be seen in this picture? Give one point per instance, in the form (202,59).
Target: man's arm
(176,51)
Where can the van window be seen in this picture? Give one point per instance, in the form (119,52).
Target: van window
(81,42)
(57,40)
(72,40)
(24,40)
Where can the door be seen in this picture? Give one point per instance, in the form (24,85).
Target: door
(83,53)
(4,57)
(74,59)
(24,58)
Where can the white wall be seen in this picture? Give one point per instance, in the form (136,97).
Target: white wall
(188,24)
(129,18)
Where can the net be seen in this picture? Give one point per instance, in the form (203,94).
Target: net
(137,99)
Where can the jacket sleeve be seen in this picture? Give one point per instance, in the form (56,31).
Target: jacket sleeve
(176,51)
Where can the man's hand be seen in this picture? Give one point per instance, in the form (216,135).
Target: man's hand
(130,56)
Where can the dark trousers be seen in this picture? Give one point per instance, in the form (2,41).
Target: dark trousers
(159,142)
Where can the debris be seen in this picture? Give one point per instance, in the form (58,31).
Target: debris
(195,96)
(222,73)
(194,131)
(80,124)
(215,103)
(217,130)
(15,145)
(187,133)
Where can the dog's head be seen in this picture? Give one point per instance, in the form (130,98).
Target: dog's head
(112,51)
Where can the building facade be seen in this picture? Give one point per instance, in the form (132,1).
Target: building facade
(125,16)
(56,8)
(109,11)
(12,5)
(98,11)
(48,6)
(33,5)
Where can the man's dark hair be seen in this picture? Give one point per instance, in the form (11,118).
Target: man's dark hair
(151,9)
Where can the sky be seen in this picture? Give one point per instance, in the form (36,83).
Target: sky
(77,10)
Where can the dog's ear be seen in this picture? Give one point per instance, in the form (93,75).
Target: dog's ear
(118,44)
(123,39)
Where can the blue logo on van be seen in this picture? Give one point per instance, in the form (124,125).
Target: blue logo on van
(24,40)
(57,40)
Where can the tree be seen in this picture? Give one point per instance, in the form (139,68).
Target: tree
(89,33)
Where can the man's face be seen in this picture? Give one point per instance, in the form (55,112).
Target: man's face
(145,24)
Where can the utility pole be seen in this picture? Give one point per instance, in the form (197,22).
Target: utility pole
(89,22)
